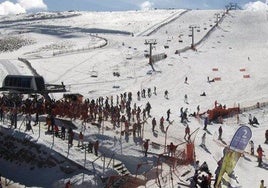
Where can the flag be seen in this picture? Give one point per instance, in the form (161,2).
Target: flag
(236,148)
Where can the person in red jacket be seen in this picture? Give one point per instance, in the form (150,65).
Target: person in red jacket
(260,154)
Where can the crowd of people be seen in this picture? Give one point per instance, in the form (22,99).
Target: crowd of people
(119,111)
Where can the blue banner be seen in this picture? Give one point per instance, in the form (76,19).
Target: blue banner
(241,139)
(238,144)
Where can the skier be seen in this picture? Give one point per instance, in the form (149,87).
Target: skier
(198,109)
(205,123)
(161,125)
(139,95)
(185,80)
(260,154)
(148,108)
(90,147)
(187,132)
(181,114)
(166,94)
(153,124)
(96,147)
(203,143)
(28,119)
(56,131)
(251,147)
(255,121)
(63,133)
(220,133)
(80,139)
(70,137)
(1,112)
(172,149)
(143,93)
(139,128)
(203,94)
(250,119)
(149,92)
(154,90)
(146,146)
(168,114)
(186,98)
(196,165)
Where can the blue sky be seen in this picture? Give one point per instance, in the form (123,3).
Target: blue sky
(107,5)
(22,6)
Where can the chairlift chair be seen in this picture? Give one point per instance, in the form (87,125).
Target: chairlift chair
(94,74)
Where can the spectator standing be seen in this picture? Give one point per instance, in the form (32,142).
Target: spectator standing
(146,146)
(260,154)
(96,147)
(153,124)
(251,147)
(90,147)
(63,132)
(262,184)
(80,139)
(266,137)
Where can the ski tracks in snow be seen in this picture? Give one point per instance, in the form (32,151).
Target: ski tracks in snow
(9,66)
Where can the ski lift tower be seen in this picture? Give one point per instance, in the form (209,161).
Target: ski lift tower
(192,27)
(150,42)
(217,15)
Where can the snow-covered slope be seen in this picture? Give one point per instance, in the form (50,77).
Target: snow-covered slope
(74,47)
